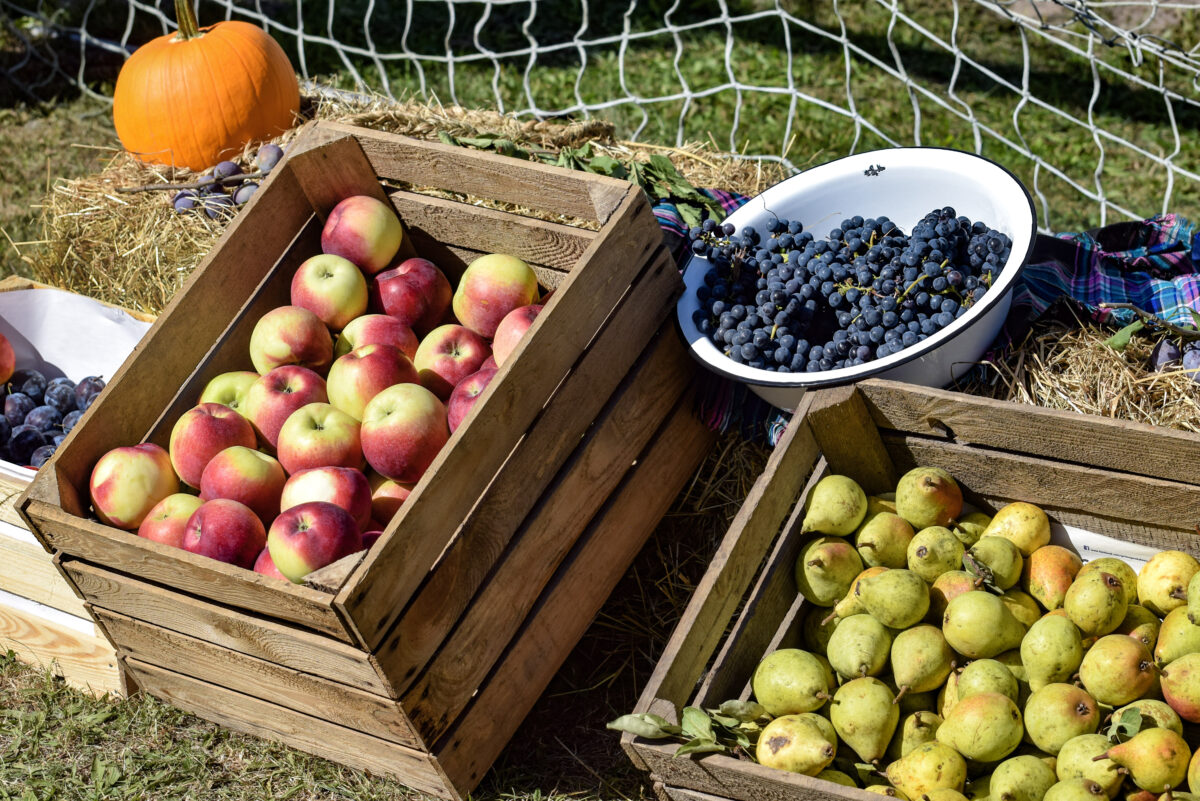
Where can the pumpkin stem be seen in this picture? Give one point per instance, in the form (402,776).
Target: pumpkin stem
(185,17)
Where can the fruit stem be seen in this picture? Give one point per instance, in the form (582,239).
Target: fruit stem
(900,694)
(186,19)
(829,618)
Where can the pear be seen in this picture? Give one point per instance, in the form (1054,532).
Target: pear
(790,681)
(979,788)
(1117,670)
(934,551)
(896,598)
(1154,713)
(852,604)
(986,676)
(995,561)
(1077,760)
(948,696)
(984,727)
(1096,603)
(1022,778)
(1193,599)
(979,626)
(795,744)
(835,506)
(1194,772)
(1048,573)
(1163,581)
(915,729)
(949,585)
(825,570)
(865,717)
(1051,651)
(837,777)
(883,540)
(1119,568)
(815,632)
(1181,686)
(1177,637)
(1012,661)
(926,768)
(943,794)
(883,789)
(1023,524)
(1076,790)
(970,527)
(1058,713)
(1141,624)
(1157,759)
(859,647)
(921,659)
(915,702)
(928,496)
(1022,605)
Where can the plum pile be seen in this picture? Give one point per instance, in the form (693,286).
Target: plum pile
(38,414)
(786,301)
(222,199)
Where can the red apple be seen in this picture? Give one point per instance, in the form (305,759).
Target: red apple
(365,372)
(290,335)
(247,476)
(319,435)
(128,482)
(201,433)
(363,230)
(342,486)
(463,398)
(490,361)
(8,359)
(330,287)
(490,288)
(415,292)
(376,329)
(387,497)
(447,355)
(403,429)
(167,521)
(369,538)
(229,389)
(511,329)
(310,536)
(274,396)
(265,566)
(227,531)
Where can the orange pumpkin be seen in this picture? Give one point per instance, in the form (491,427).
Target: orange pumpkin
(192,98)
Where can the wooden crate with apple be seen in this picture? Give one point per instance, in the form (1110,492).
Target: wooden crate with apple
(1110,488)
(420,658)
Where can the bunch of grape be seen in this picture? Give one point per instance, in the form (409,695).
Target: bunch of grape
(222,199)
(786,301)
(38,414)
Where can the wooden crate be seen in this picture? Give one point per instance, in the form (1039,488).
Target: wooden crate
(42,621)
(421,662)
(1123,480)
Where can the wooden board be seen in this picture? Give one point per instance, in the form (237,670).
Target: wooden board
(28,571)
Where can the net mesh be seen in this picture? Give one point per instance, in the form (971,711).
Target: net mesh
(1092,104)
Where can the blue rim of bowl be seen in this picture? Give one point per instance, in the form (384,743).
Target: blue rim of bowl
(910,353)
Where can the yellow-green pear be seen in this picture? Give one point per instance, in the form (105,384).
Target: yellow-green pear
(928,496)
(915,729)
(1048,574)
(794,744)
(1021,778)
(864,715)
(837,777)
(1096,603)
(836,506)
(979,626)
(1023,524)
(1051,651)
(852,603)
(883,540)
(825,570)
(1177,637)
(986,676)
(1193,599)
(921,659)
(946,586)
(1141,624)
(1157,759)
(926,768)
(1163,581)
(1119,568)
(1022,605)
(883,789)
(1083,757)
(1058,713)
(1117,670)
(970,527)
(984,727)
(1076,790)
(789,681)
(934,551)
(944,794)
(1154,713)
(996,560)
(896,598)
(859,647)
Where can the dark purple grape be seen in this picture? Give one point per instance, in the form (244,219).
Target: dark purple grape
(245,192)
(218,206)
(16,406)
(186,200)
(42,455)
(60,396)
(45,418)
(30,382)
(1165,355)
(70,419)
(268,156)
(24,441)
(88,386)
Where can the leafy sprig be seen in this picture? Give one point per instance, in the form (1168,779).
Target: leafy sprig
(733,728)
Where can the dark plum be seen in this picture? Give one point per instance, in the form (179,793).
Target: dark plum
(16,406)
(268,156)
(186,200)
(227,169)
(40,456)
(87,387)
(58,439)
(29,382)
(218,206)
(245,192)
(1165,355)
(61,397)
(62,379)
(70,419)
(5,430)
(1191,361)
(25,440)
(45,418)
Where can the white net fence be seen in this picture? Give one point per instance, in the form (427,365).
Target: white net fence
(1095,105)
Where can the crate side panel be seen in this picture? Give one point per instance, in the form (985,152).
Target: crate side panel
(29,571)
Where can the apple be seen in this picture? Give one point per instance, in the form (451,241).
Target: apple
(225,530)
(365,372)
(319,435)
(274,396)
(310,536)
(201,433)
(415,292)
(490,361)
(247,476)
(364,230)
(167,521)
(265,566)
(229,389)
(342,486)
(369,538)
(387,497)
(376,329)
(403,429)
(290,335)
(447,355)
(128,482)
(490,288)
(463,398)
(330,287)
(8,359)
(511,329)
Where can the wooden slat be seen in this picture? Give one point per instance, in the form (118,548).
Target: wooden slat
(527,473)
(314,735)
(301,692)
(1021,428)
(849,441)
(376,593)
(579,590)
(187,572)
(86,661)
(10,491)
(229,628)
(27,570)
(620,432)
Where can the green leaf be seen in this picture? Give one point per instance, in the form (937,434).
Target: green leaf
(447,139)
(607,165)
(697,723)
(1120,340)
(690,215)
(645,724)
(1123,728)
(699,746)
(724,720)
(1195,317)
(743,710)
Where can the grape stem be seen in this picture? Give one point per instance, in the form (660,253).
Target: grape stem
(230,179)
(1152,318)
